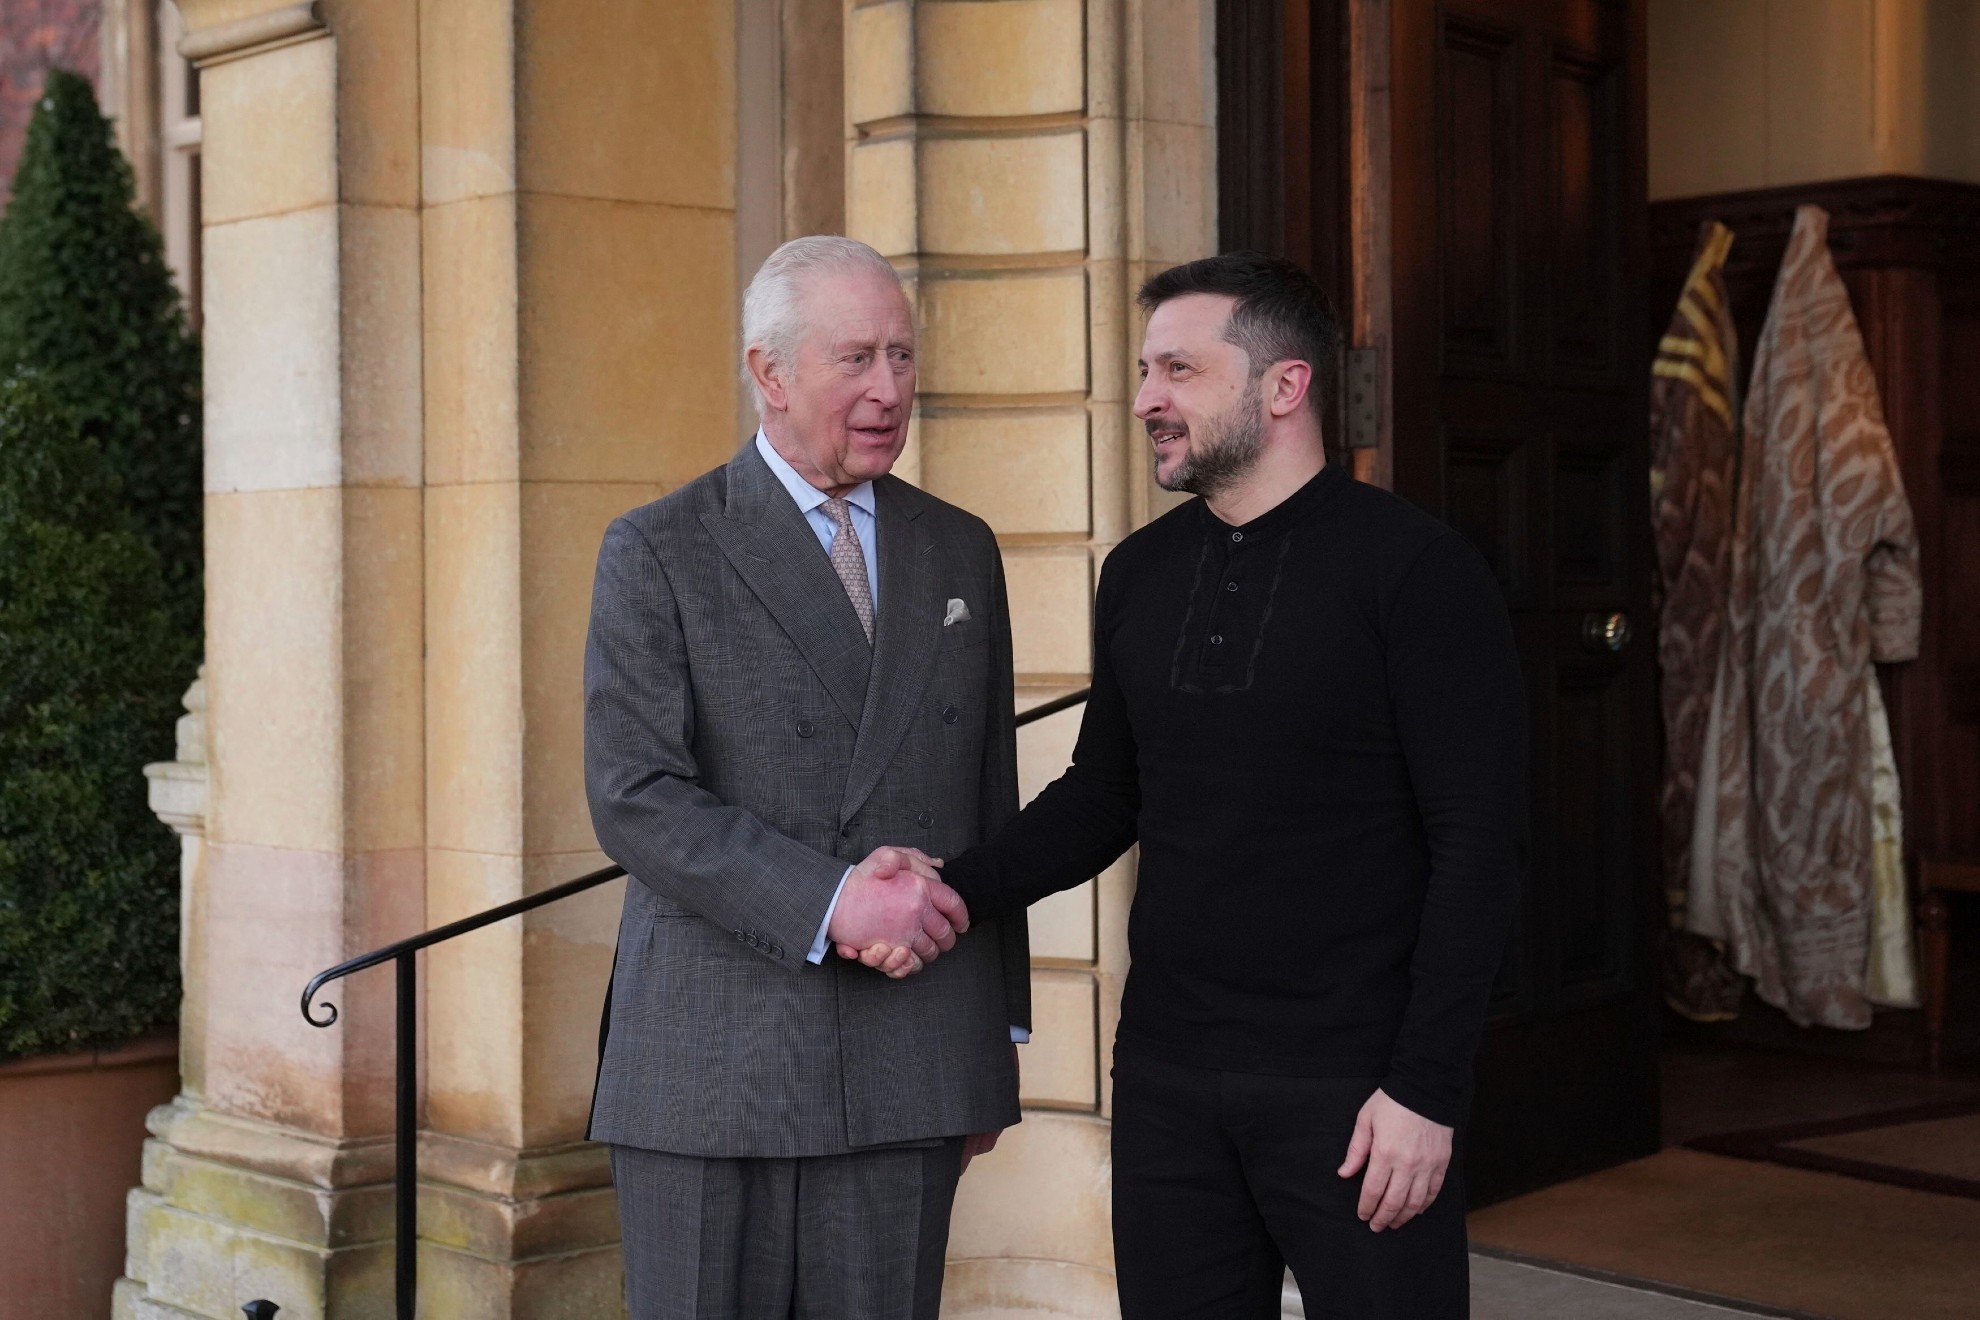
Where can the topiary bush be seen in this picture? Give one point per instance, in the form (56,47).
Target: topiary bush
(92,663)
(86,300)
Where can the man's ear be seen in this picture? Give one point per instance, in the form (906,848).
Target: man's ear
(767,374)
(1286,386)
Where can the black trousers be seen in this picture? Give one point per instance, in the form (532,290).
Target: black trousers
(1222,1180)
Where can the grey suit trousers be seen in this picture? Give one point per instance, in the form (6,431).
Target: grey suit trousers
(859,1236)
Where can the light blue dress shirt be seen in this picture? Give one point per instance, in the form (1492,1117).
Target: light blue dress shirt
(811,502)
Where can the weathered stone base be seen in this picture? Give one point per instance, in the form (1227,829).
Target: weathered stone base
(232,1210)
(579,1285)
(131,1302)
(505,1235)
(1055,1260)
(1027,1290)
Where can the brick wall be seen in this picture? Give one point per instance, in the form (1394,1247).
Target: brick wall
(35,34)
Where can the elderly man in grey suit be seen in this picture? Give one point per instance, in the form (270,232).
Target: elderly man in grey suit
(796,662)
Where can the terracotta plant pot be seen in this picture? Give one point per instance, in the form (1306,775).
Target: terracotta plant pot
(71,1135)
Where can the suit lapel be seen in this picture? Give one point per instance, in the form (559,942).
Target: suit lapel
(773,549)
(907,634)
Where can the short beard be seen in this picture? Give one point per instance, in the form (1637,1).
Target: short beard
(1231,445)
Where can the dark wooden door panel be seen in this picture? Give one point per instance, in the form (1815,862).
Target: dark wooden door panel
(1557,1092)
(1478,222)
(1591,503)
(1520,418)
(1592,837)
(1582,112)
(1486,496)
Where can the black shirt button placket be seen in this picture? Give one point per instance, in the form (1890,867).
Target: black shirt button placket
(1213,653)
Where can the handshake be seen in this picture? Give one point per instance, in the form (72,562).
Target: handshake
(895,915)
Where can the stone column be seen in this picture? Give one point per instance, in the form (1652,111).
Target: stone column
(1025,163)
(469,294)
(577,192)
(266,1177)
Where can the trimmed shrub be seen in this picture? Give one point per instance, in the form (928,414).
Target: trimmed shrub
(92,664)
(86,301)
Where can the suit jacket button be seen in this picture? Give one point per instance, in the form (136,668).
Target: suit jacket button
(925,819)
(948,714)
(741,936)
(777,950)
(805,728)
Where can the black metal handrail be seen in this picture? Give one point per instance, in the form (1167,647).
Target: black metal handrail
(405,1170)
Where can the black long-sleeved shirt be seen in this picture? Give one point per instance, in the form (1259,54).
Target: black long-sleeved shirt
(1314,724)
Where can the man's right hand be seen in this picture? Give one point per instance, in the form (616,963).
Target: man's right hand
(896,897)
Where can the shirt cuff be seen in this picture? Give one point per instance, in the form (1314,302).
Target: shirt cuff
(1020,1035)
(819,945)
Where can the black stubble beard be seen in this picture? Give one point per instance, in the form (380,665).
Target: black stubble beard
(1232,443)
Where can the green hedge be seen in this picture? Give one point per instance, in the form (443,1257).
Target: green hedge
(99,589)
(92,665)
(87,301)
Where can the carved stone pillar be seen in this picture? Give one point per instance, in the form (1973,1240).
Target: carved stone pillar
(265,1178)
(469,295)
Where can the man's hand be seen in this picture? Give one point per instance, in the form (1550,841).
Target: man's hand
(1407,1156)
(883,957)
(895,898)
(982,1143)
(979,1143)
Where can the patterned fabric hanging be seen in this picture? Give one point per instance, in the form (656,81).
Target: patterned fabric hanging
(1694,467)
(1824,582)
(1893,977)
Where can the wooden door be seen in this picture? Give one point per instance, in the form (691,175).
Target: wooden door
(1519,227)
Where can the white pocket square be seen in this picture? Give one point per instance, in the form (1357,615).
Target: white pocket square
(956,613)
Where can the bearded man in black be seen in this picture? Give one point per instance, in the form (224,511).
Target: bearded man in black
(1307,710)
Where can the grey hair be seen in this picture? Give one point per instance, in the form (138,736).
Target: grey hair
(772,311)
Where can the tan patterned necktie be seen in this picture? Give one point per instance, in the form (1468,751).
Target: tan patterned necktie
(850,562)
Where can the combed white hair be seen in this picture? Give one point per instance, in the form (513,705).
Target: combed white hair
(772,311)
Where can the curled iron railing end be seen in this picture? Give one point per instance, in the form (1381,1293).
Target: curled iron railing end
(309,1010)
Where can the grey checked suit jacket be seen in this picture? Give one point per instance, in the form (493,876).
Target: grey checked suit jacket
(743,745)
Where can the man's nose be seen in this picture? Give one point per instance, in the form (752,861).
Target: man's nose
(883,384)
(1148,400)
